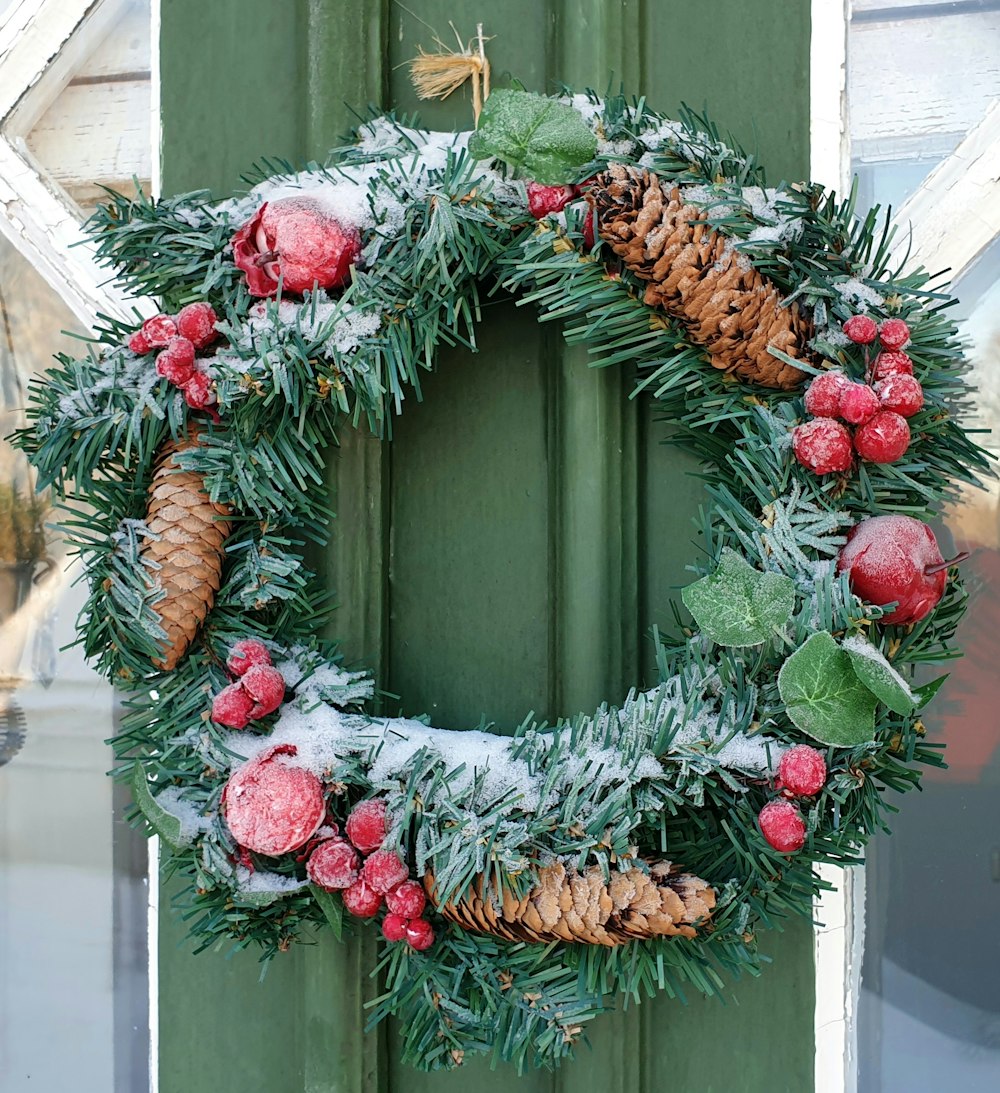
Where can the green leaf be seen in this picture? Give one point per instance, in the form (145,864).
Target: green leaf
(164,823)
(925,693)
(737,604)
(879,676)
(824,697)
(332,908)
(544,140)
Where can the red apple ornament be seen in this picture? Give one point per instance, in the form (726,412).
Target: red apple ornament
(896,559)
(271,806)
(297,241)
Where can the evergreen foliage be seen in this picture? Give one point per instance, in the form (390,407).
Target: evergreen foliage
(680,771)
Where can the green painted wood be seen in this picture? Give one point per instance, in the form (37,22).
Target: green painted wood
(510,549)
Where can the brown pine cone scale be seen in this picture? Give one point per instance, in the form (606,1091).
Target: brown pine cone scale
(584,908)
(186,549)
(693,273)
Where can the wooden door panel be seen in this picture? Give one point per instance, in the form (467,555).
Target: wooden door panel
(511,547)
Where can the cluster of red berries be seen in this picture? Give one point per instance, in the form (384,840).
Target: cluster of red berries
(545,200)
(367,876)
(179,337)
(801,773)
(878,410)
(259,688)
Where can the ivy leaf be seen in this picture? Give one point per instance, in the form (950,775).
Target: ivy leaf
(544,140)
(164,823)
(737,604)
(332,908)
(823,695)
(879,676)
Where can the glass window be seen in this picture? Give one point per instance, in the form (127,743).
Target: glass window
(73,875)
(929,1014)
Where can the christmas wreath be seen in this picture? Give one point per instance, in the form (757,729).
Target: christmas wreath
(520,882)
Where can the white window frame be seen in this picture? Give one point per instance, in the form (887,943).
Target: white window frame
(40,45)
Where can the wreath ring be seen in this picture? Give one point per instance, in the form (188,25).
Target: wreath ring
(518,881)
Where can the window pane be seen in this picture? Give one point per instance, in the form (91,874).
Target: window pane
(72,874)
(929,1014)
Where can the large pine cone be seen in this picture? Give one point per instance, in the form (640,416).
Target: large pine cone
(582,907)
(190,530)
(696,276)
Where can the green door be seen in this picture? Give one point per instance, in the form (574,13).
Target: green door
(510,548)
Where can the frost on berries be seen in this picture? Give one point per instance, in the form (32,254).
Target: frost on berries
(245,654)
(823,446)
(383,870)
(366,825)
(334,865)
(782,826)
(802,771)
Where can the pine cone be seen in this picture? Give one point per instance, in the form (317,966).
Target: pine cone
(582,907)
(188,551)
(696,276)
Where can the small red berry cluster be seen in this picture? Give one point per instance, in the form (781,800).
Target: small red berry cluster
(259,688)
(801,773)
(878,410)
(367,875)
(179,337)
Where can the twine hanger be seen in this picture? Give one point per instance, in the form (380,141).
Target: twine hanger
(437,75)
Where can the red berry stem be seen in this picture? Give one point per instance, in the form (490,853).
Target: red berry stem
(930,570)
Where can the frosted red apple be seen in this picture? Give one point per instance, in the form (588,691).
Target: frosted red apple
(895,559)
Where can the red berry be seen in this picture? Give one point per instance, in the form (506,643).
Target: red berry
(176,362)
(858,403)
(861,329)
(782,826)
(197,323)
(245,654)
(232,707)
(883,439)
(823,394)
(266,686)
(297,241)
(334,865)
(383,870)
(198,391)
(139,343)
(901,394)
(802,771)
(407,899)
(823,445)
(891,364)
(362,901)
(366,825)
(543,200)
(895,559)
(394,927)
(588,229)
(159,330)
(419,934)
(272,807)
(893,334)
